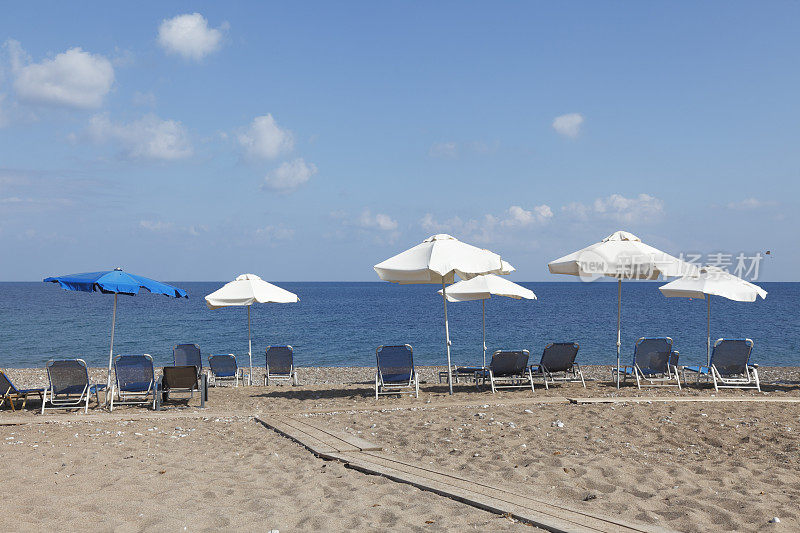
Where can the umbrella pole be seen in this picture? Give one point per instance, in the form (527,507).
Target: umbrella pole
(447,340)
(111,351)
(483,304)
(249,348)
(619,323)
(708,324)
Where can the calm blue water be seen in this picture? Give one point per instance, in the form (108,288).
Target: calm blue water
(340,324)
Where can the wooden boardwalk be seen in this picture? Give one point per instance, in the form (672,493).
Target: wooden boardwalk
(366,457)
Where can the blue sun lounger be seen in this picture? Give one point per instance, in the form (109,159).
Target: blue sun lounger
(509,369)
(187,354)
(559,357)
(729,366)
(134,382)
(69,386)
(280,365)
(10,394)
(396,373)
(224,369)
(654,363)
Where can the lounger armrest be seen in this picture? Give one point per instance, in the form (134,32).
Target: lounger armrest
(753,365)
(698,369)
(537,366)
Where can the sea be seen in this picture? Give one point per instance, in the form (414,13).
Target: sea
(341,324)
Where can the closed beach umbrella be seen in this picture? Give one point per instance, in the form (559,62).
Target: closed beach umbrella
(438,259)
(712,281)
(621,255)
(114,282)
(244,291)
(484,287)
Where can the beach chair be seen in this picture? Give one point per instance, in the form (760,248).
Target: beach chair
(396,373)
(654,363)
(559,357)
(178,379)
(224,369)
(10,394)
(509,370)
(134,382)
(187,354)
(69,386)
(280,365)
(729,366)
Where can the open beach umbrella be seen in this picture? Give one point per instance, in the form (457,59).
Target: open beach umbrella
(438,259)
(621,255)
(482,288)
(114,282)
(244,291)
(712,281)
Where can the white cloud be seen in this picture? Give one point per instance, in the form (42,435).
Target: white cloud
(517,216)
(379,221)
(155,226)
(274,233)
(147,138)
(642,208)
(264,139)
(750,204)
(72,79)
(190,36)
(444,149)
(568,125)
(289,176)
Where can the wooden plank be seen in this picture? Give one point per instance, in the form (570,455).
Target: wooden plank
(679,399)
(319,440)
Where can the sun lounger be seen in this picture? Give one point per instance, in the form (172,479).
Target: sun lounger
(178,379)
(10,394)
(134,382)
(224,369)
(729,366)
(509,369)
(187,354)
(468,373)
(559,357)
(654,363)
(396,373)
(69,386)
(280,365)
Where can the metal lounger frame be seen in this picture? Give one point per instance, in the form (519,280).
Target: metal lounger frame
(573,374)
(128,397)
(748,380)
(166,393)
(290,376)
(412,387)
(70,400)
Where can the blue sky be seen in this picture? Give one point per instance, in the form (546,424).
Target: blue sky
(309,141)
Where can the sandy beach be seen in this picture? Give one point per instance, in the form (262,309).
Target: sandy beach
(684,465)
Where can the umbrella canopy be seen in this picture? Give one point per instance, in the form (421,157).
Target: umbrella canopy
(712,281)
(484,287)
(114,282)
(621,255)
(244,291)
(438,259)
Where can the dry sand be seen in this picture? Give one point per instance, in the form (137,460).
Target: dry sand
(691,466)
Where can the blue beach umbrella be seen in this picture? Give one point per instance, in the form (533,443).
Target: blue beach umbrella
(114,282)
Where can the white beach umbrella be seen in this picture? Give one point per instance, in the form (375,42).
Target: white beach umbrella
(712,281)
(621,255)
(244,291)
(438,259)
(482,288)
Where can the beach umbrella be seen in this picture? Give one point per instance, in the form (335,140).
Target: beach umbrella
(621,255)
(712,281)
(244,291)
(482,288)
(438,259)
(114,282)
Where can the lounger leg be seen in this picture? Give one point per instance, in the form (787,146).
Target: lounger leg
(44,400)
(491,380)
(376,386)
(416,385)
(111,400)
(530,377)
(755,375)
(678,378)
(580,373)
